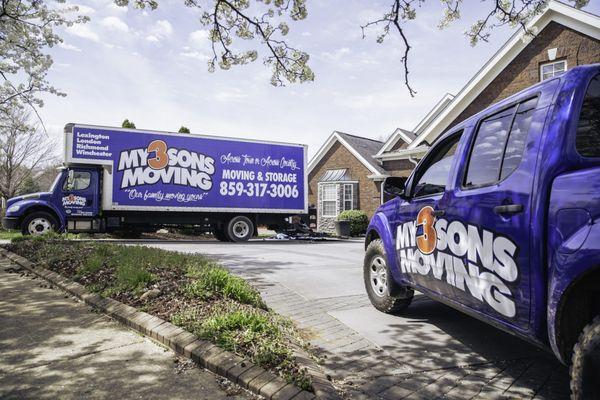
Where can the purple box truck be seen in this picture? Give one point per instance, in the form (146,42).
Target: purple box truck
(137,180)
(501,221)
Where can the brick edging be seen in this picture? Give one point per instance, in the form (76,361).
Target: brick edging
(204,353)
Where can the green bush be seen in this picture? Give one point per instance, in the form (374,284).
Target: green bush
(358,221)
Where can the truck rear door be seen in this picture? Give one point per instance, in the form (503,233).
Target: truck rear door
(486,221)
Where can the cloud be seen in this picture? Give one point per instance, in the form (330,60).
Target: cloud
(161,29)
(230,95)
(67,46)
(83,31)
(195,55)
(198,38)
(115,23)
(152,39)
(336,55)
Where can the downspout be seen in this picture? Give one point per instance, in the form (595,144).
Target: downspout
(412,160)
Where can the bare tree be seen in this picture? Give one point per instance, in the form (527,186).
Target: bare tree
(24,148)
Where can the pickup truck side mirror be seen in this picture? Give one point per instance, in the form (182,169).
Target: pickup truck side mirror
(392,187)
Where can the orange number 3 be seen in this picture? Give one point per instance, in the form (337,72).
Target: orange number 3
(427,241)
(161,158)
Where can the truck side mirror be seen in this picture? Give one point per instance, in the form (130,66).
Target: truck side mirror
(70,179)
(392,187)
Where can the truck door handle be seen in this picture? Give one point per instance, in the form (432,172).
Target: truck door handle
(508,209)
(439,213)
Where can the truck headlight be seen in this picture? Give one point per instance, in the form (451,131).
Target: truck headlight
(13,209)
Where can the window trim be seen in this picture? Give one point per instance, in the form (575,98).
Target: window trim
(516,103)
(351,185)
(541,75)
(423,164)
(322,200)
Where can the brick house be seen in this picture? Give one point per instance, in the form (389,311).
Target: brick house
(352,167)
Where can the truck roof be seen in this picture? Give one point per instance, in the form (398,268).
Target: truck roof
(69,127)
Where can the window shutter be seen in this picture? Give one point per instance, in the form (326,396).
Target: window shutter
(355,196)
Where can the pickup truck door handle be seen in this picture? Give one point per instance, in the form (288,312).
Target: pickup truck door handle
(508,209)
(439,213)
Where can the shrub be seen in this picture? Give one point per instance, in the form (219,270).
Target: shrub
(358,221)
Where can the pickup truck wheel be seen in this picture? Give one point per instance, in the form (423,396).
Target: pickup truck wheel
(38,223)
(379,282)
(585,363)
(240,229)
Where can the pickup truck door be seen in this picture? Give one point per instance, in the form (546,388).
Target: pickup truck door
(412,223)
(487,214)
(79,196)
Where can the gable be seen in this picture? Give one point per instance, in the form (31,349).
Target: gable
(577,20)
(524,71)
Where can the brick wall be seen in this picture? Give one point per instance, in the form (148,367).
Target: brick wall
(524,70)
(339,157)
(398,167)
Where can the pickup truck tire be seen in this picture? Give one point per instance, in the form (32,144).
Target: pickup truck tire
(240,229)
(585,363)
(380,284)
(38,223)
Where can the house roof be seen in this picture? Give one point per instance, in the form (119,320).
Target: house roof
(581,21)
(362,148)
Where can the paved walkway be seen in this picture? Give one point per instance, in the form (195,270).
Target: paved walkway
(53,347)
(430,351)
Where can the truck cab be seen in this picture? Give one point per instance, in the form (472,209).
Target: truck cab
(498,220)
(73,198)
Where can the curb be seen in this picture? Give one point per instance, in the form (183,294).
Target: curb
(204,353)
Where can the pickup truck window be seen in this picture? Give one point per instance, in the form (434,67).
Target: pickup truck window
(81,181)
(433,175)
(587,141)
(499,144)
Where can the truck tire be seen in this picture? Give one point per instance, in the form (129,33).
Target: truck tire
(38,223)
(240,229)
(380,284)
(220,235)
(585,363)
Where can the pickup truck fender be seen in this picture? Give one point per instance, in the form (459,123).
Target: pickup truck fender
(27,205)
(574,264)
(380,227)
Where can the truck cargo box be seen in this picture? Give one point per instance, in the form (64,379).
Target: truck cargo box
(161,171)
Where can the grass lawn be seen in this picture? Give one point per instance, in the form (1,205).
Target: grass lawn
(8,235)
(191,291)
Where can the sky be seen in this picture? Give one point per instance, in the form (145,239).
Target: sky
(151,68)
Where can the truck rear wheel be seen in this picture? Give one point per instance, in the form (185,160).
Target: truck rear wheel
(240,229)
(585,364)
(380,284)
(38,223)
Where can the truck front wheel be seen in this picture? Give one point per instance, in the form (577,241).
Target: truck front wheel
(240,229)
(38,223)
(586,363)
(385,294)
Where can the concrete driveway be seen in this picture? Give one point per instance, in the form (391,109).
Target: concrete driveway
(430,351)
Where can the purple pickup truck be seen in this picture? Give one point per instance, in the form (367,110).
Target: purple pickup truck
(500,220)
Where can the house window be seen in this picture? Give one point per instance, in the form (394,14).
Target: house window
(552,69)
(348,196)
(329,199)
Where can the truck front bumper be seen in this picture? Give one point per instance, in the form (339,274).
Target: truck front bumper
(10,223)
